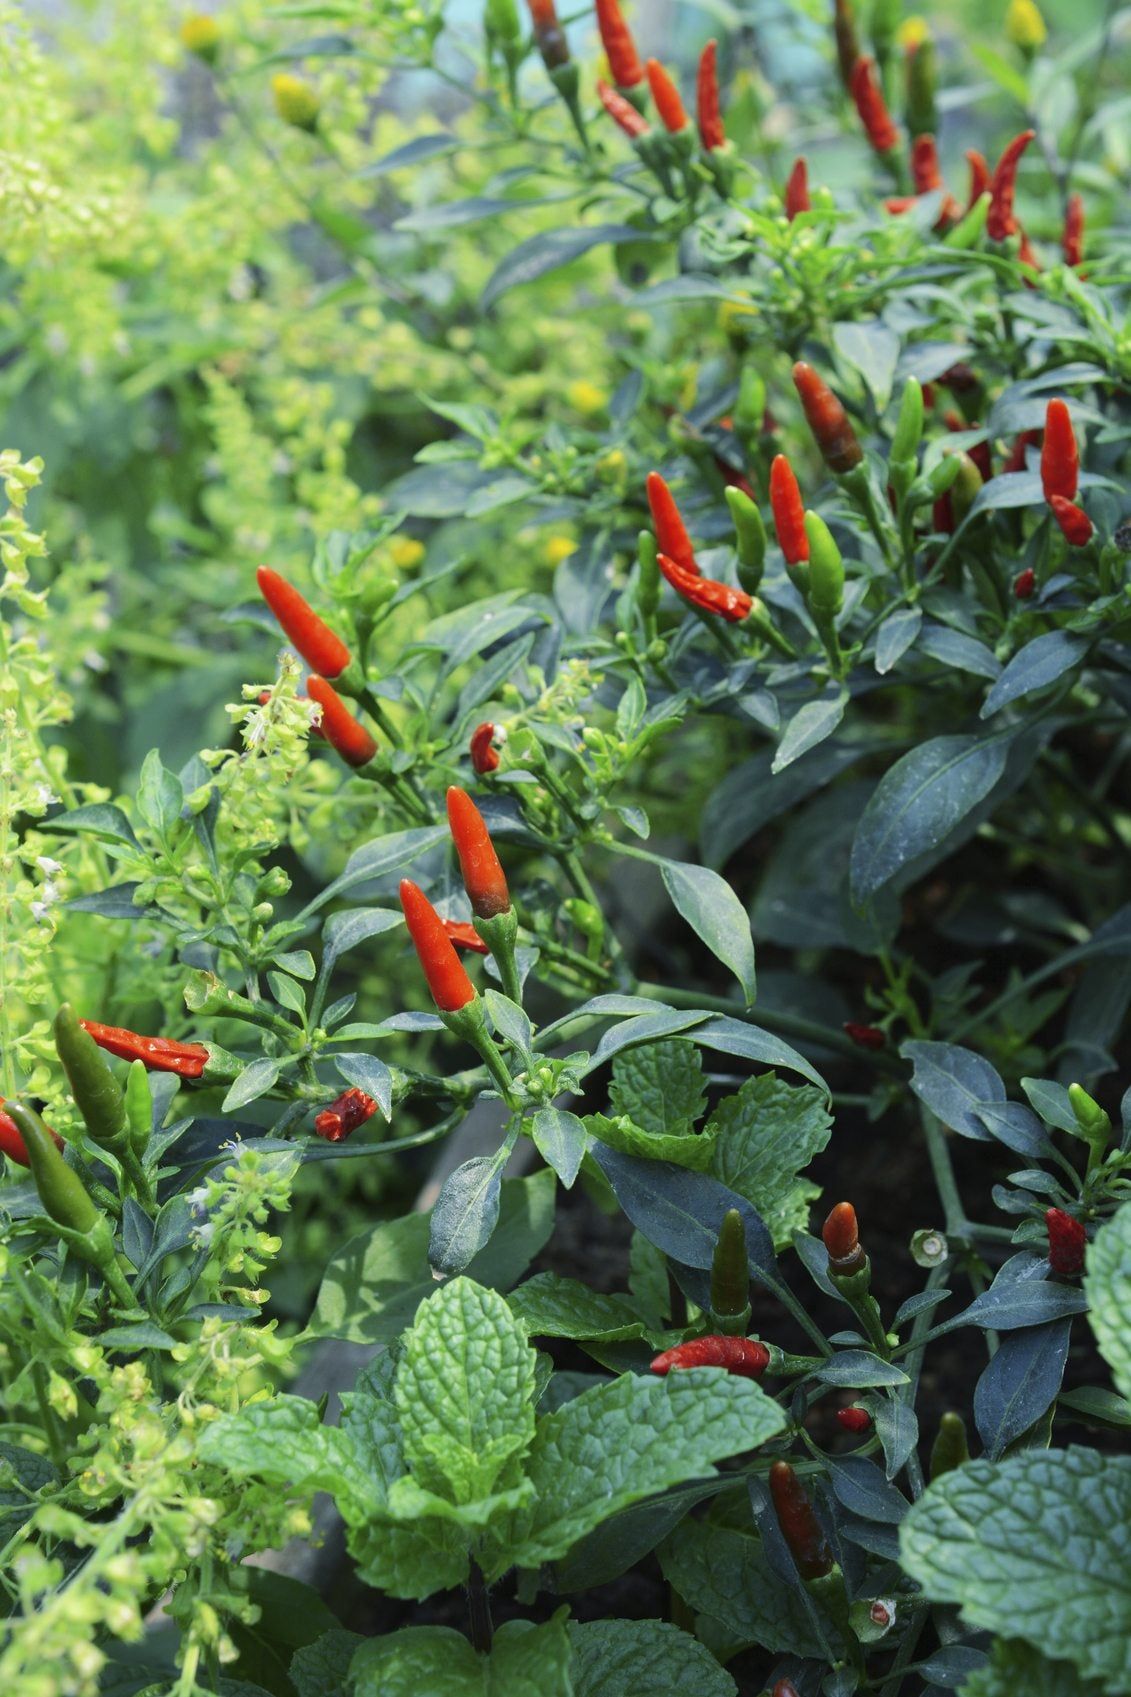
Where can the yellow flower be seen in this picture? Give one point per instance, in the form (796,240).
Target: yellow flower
(584,396)
(406,552)
(558,548)
(1024,25)
(295,101)
(201,35)
(912,33)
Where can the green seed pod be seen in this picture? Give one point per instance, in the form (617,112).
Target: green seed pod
(750,537)
(826,569)
(501,20)
(1094,1122)
(968,229)
(96,1091)
(730,1276)
(922,77)
(750,408)
(950,1448)
(966,487)
(908,425)
(648,580)
(139,1106)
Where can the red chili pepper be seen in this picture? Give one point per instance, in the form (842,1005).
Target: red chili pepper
(622,111)
(789,512)
(548,34)
(799,1525)
(1026,254)
(706,593)
(828,420)
(1060,457)
(484,754)
(483,876)
(797,190)
(960,378)
(666,95)
(711,131)
(1067,1242)
(11,1140)
(898,204)
(311,636)
(744,1357)
(159,1054)
(671,532)
(1072,241)
(926,174)
(346,735)
(1016,460)
(620,49)
(465,936)
(1000,221)
(841,1237)
(871,106)
(979,176)
(785,1688)
(1073,521)
(854,1419)
(1024,584)
(351,1109)
(451,988)
(942,515)
(865,1036)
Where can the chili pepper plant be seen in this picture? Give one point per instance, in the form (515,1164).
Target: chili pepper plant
(647,964)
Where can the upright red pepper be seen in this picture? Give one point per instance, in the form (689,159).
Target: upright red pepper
(484,754)
(11,1142)
(789,512)
(979,176)
(449,984)
(620,49)
(671,532)
(159,1054)
(828,420)
(465,936)
(622,111)
(349,1110)
(1000,220)
(311,636)
(1060,457)
(785,1688)
(548,33)
(483,876)
(667,99)
(854,1419)
(865,1036)
(841,1238)
(1067,1243)
(1074,522)
(799,1525)
(1025,583)
(1072,241)
(346,735)
(706,593)
(746,1358)
(926,174)
(797,190)
(711,131)
(872,107)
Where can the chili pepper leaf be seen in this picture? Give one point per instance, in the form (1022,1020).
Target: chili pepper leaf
(895,636)
(897,1427)
(379,858)
(1020,1384)
(1034,1547)
(642,1658)
(715,914)
(858,1370)
(724,1574)
(765,1135)
(657,1022)
(370,1075)
(465,1213)
(750,796)
(412,152)
(561,1139)
(1108,1287)
(254,1081)
(953,1665)
(954,648)
(1012,1668)
(1006,1307)
(548,251)
(954,1083)
(873,350)
(861,1487)
(1036,666)
(660,1086)
(808,727)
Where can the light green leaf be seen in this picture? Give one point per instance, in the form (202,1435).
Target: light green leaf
(436,1661)
(1108,1288)
(687,1148)
(660,1086)
(1037,1547)
(1016,1668)
(643,1658)
(283,1442)
(715,914)
(554,1307)
(765,1134)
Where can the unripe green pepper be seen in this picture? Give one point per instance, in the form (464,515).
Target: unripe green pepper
(966,487)
(648,580)
(950,1448)
(922,117)
(139,1106)
(96,1091)
(909,424)
(1094,1122)
(750,537)
(750,409)
(826,569)
(730,1277)
(501,20)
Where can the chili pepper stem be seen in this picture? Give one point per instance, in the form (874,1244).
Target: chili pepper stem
(479,1609)
(469,1022)
(499,934)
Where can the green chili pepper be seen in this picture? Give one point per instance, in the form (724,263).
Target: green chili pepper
(750,536)
(139,1106)
(950,1448)
(909,424)
(750,409)
(648,579)
(96,1091)
(730,1277)
(922,116)
(826,569)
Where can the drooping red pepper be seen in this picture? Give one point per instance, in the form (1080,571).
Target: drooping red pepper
(797,190)
(854,1419)
(1072,241)
(746,1358)
(828,420)
(620,49)
(349,1110)
(11,1142)
(622,111)
(311,636)
(346,735)
(483,876)
(711,131)
(706,593)
(158,1054)
(671,532)
(451,988)
(1000,220)
(484,754)
(465,936)
(1025,583)
(1060,456)
(667,98)
(789,512)
(1016,460)
(841,1238)
(1074,522)
(799,1525)
(871,106)
(865,1036)
(1067,1243)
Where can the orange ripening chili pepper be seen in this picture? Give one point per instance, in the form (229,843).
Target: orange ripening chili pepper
(841,1237)
(1073,521)
(621,111)
(789,512)
(451,988)
(711,131)
(1025,583)
(666,95)
(351,1109)
(871,106)
(11,1139)
(346,735)
(620,49)
(159,1054)
(799,1525)
(1060,457)
(1000,221)
(979,176)
(746,1358)
(465,936)
(311,636)
(671,532)
(828,420)
(706,593)
(797,190)
(1072,241)
(484,754)
(483,876)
